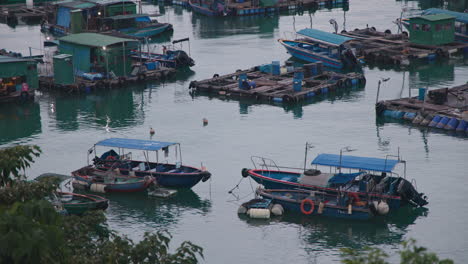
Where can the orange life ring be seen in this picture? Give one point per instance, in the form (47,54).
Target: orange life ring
(312,206)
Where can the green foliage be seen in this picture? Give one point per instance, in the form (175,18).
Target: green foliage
(26,191)
(15,159)
(31,232)
(410,254)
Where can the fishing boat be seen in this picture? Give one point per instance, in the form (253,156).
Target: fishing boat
(314,203)
(135,25)
(108,181)
(216,8)
(316,45)
(171,175)
(368,177)
(170,58)
(78,204)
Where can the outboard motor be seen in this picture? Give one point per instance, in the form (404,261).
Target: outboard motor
(182,58)
(409,194)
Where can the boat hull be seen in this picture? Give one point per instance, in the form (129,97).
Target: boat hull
(294,204)
(87,203)
(290,181)
(204,11)
(310,56)
(148,31)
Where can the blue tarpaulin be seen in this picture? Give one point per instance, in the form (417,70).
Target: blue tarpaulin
(353,162)
(63,17)
(460,17)
(342,178)
(128,143)
(143,19)
(323,36)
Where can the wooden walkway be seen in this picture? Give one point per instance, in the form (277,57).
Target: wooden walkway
(384,47)
(82,85)
(276,88)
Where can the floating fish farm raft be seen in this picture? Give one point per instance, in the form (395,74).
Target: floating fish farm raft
(82,85)
(273,83)
(445,108)
(396,49)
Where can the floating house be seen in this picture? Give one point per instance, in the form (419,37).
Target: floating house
(14,72)
(461,22)
(432,30)
(79,16)
(94,52)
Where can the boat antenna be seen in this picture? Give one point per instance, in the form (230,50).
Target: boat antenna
(307,147)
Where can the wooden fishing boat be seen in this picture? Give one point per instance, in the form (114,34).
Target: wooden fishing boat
(108,181)
(172,175)
(135,25)
(216,8)
(171,58)
(373,178)
(311,203)
(77,204)
(316,45)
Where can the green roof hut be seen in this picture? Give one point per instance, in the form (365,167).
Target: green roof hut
(21,69)
(432,30)
(94,52)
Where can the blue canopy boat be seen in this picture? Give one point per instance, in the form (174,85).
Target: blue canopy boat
(312,203)
(317,45)
(135,25)
(370,178)
(173,175)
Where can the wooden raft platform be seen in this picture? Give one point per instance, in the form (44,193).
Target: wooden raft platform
(445,108)
(82,85)
(276,88)
(388,48)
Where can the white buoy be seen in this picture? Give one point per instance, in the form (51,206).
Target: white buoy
(97,187)
(350,209)
(259,213)
(277,210)
(383,208)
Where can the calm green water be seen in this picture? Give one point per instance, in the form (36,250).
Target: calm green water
(66,126)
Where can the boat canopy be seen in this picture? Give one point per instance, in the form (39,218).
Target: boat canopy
(324,37)
(460,17)
(140,144)
(354,162)
(137,17)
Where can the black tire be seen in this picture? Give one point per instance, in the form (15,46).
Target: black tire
(388,31)
(245,172)
(373,29)
(215,75)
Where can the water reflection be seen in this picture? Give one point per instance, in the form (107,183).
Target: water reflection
(246,104)
(116,109)
(19,121)
(125,209)
(329,233)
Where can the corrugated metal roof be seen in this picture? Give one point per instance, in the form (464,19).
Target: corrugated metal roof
(323,36)
(77,5)
(6,59)
(460,17)
(93,39)
(435,17)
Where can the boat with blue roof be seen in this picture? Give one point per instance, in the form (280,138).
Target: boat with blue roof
(368,178)
(315,45)
(171,175)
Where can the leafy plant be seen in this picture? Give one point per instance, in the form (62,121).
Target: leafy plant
(13,160)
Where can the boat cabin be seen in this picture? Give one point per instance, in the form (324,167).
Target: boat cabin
(98,53)
(437,29)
